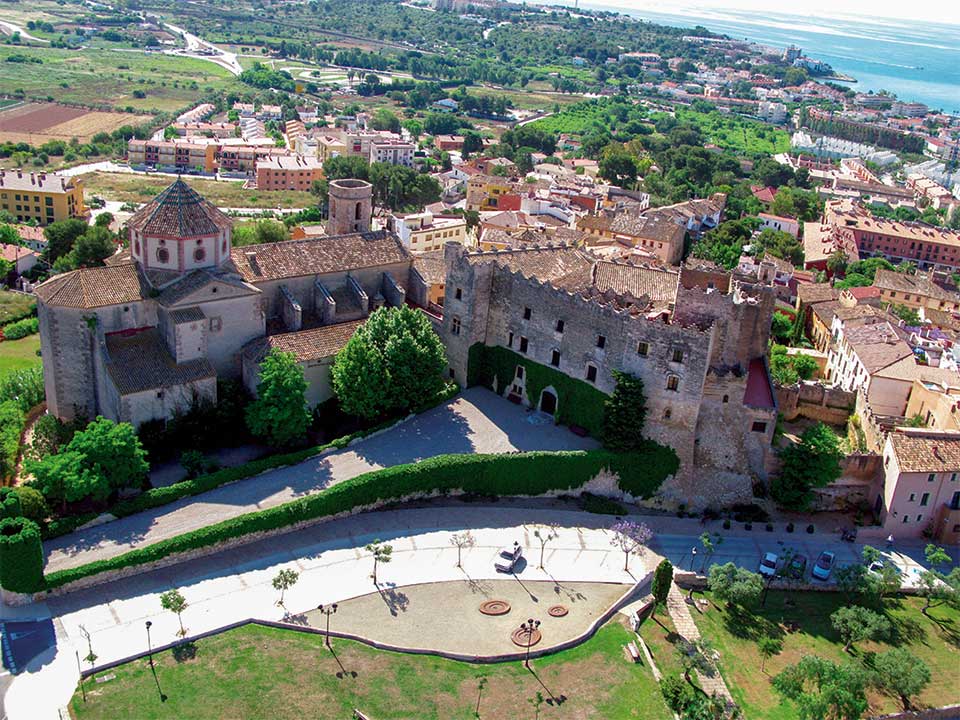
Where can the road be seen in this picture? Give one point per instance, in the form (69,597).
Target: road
(195,45)
(475,422)
(10,28)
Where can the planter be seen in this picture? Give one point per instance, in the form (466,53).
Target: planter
(810,529)
(726,524)
(789,527)
(748,526)
(769,527)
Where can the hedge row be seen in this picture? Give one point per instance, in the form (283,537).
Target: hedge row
(11,427)
(578,402)
(21,555)
(21,328)
(187,488)
(517,474)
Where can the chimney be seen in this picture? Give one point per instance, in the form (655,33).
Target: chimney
(252,261)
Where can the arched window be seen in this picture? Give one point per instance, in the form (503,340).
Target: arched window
(667,413)
(726,398)
(673,383)
(136,247)
(359,215)
(199,255)
(163,255)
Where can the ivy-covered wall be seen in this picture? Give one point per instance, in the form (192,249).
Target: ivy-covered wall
(578,402)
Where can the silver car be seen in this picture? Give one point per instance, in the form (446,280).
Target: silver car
(824,565)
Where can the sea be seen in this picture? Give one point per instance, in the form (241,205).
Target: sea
(916,60)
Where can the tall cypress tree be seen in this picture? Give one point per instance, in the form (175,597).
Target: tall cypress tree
(624,414)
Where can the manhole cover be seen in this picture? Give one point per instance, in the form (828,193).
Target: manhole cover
(525,638)
(557,611)
(495,607)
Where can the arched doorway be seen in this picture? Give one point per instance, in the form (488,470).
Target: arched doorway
(548,402)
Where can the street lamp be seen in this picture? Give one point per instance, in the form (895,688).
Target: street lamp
(149,645)
(328,611)
(529,627)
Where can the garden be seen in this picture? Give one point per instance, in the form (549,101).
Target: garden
(256,671)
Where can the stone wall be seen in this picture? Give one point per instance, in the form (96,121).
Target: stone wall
(815,401)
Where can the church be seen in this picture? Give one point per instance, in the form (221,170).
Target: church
(149,333)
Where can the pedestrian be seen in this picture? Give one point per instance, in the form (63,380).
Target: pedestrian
(693,557)
(889,541)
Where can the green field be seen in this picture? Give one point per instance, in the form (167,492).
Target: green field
(19,354)
(934,639)
(257,672)
(109,77)
(739,135)
(13,305)
(223,193)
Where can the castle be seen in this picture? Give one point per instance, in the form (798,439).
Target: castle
(145,336)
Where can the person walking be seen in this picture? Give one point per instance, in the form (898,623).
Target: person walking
(889,541)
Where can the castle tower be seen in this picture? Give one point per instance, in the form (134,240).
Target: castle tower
(351,206)
(178,231)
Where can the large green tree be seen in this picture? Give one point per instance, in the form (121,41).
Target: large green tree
(811,463)
(734,585)
(624,413)
(392,364)
(823,690)
(61,236)
(279,414)
(855,623)
(900,673)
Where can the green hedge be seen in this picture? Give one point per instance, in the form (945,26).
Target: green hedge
(186,488)
(516,474)
(21,556)
(23,386)
(21,328)
(11,427)
(578,402)
(9,503)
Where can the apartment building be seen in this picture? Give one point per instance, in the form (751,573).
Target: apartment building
(173,155)
(288,172)
(43,197)
(424,231)
(393,152)
(917,291)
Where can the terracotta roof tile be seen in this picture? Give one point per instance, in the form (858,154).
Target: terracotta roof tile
(317,256)
(431,267)
(912,284)
(924,450)
(660,285)
(95,287)
(179,211)
(140,361)
(314,344)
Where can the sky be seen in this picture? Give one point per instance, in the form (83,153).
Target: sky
(929,10)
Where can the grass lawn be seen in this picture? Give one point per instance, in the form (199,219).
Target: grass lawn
(934,639)
(223,193)
(19,354)
(12,305)
(264,672)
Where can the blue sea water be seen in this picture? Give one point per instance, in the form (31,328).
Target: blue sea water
(918,61)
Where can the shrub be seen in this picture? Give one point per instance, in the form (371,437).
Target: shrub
(23,386)
(21,328)
(518,474)
(601,505)
(32,504)
(11,427)
(196,463)
(9,503)
(624,413)
(21,557)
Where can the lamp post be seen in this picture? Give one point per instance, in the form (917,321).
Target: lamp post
(327,610)
(149,644)
(529,627)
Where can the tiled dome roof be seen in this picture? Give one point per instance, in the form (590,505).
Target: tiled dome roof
(179,211)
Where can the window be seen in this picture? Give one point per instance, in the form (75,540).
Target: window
(919,518)
(452,373)
(216,324)
(458,293)
(555,358)
(931,477)
(758,426)
(912,498)
(673,383)
(678,356)
(455,326)
(726,398)
(591,373)
(523,344)
(643,349)
(667,413)
(953,477)
(559,326)
(199,254)
(906,519)
(527,312)
(163,255)
(924,499)
(518,373)
(510,340)
(601,341)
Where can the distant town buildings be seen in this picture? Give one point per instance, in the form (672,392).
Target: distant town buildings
(41,197)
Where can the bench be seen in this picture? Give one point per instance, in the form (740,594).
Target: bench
(632,650)
(357,715)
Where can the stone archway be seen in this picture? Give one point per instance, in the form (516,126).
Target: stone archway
(548,401)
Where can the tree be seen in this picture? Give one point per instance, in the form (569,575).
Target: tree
(938,588)
(461,541)
(544,535)
(660,586)
(768,647)
(709,548)
(381,554)
(813,462)
(259,233)
(631,538)
(624,413)
(782,245)
(694,656)
(781,326)
(824,690)
(900,673)
(283,581)
(279,414)
(174,601)
(617,166)
(734,585)
(90,249)
(393,363)
(855,623)
(61,236)
(837,263)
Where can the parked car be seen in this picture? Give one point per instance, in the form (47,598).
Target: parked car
(768,565)
(824,565)
(877,567)
(797,567)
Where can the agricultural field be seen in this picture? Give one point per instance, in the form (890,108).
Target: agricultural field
(37,123)
(141,188)
(19,354)
(98,77)
(13,305)
(739,135)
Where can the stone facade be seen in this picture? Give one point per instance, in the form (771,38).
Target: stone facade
(708,391)
(351,206)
